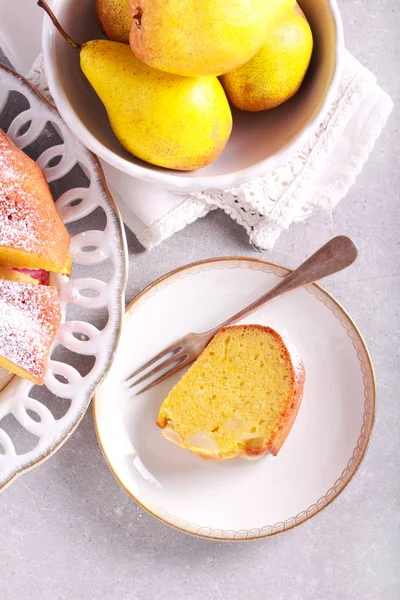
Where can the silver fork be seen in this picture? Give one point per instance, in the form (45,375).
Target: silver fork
(339,253)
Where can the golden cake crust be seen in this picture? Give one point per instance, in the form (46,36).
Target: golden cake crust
(32,234)
(256,447)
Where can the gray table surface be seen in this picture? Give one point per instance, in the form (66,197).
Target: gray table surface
(68,531)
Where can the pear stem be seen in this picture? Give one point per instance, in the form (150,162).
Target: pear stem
(57,24)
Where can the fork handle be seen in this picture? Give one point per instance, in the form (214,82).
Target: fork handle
(340,252)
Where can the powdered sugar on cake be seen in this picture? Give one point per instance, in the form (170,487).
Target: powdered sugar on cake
(30,316)
(15,226)
(28,218)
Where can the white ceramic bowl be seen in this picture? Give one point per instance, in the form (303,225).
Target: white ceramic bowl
(259,142)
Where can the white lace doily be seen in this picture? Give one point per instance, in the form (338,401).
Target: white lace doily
(318,177)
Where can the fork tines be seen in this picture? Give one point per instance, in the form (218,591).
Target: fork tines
(174,360)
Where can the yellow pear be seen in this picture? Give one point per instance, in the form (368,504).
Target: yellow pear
(171,121)
(114,19)
(277,71)
(193,38)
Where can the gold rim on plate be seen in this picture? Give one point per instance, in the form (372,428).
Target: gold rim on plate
(359,451)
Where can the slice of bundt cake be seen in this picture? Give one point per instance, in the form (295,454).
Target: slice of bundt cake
(240,397)
(32,235)
(30,317)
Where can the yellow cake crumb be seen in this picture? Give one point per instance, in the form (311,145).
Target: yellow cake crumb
(237,397)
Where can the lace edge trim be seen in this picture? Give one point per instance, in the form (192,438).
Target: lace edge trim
(185,213)
(265,233)
(334,193)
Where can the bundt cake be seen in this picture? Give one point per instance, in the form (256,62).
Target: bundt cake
(32,235)
(30,317)
(240,397)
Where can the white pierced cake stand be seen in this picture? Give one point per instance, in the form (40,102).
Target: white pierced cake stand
(36,421)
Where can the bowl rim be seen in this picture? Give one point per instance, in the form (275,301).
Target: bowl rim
(167,178)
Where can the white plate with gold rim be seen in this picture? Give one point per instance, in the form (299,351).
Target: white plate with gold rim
(236,500)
